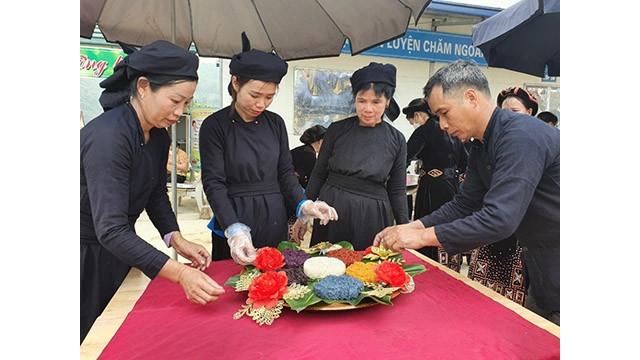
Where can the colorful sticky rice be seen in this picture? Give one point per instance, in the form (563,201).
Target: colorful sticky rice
(363,271)
(342,287)
(295,275)
(294,258)
(347,256)
(320,267)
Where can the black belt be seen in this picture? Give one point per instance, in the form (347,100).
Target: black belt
(254,188)
(358,186)
(446,172)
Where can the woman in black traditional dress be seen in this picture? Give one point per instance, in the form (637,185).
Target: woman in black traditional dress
(304,156)
(247,172)
(361,166)
(123,158)
(443,161)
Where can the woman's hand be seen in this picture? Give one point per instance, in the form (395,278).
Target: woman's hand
(299,229)
(317,210)
(198,286)
(197,254)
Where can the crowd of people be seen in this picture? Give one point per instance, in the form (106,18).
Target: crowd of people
(489,176)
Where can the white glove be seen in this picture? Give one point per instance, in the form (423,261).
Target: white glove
(239,239)
(317,210)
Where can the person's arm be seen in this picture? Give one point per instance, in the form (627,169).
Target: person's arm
(198,286)
(416,143)
(212,149)
(519,165)
(321,167)
(397,183)
(289,184)
(107,166)
(463,204)
(169,163)
(158,206)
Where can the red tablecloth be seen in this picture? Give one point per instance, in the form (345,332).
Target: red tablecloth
(442,319)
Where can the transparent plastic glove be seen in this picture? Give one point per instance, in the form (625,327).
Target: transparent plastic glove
(317,210)
(239,239)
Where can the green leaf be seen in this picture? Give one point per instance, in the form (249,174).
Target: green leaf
(232,280)
(385,300)
(287,245)
(414,269)
(300,304)
(345,244)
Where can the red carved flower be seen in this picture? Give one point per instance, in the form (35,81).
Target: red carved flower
(368,250)
(391,274)
(269,259)
(267,288)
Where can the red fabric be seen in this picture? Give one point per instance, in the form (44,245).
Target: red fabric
(442,319)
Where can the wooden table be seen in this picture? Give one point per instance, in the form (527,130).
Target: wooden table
(114,314)
(135,284)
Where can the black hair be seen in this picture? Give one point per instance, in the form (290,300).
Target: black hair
(458,75)
(156,82)
(548,117)
(378,88)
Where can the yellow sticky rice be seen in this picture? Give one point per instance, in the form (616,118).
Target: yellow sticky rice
(362,271)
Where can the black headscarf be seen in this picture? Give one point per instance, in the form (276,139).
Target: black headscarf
(416,105)
(378,73)
(313,134)
(528,100)
(257,64)
(158,58)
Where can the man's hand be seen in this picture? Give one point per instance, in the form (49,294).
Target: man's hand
(407,236)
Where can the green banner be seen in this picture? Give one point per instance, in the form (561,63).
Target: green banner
(98,63)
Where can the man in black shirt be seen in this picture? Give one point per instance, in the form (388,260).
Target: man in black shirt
(512,184)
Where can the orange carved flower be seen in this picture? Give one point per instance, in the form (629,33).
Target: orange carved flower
(269,259)
(267,288)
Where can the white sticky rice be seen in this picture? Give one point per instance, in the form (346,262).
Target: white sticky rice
(320,266)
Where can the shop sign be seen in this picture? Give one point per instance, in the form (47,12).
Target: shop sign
(427,46)
(98,63)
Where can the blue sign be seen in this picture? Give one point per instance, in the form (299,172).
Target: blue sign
(427,46)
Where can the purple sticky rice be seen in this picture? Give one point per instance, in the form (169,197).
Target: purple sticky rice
(295,275)
(294,258)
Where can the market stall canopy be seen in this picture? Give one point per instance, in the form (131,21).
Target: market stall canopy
(524,37)
(293,29)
